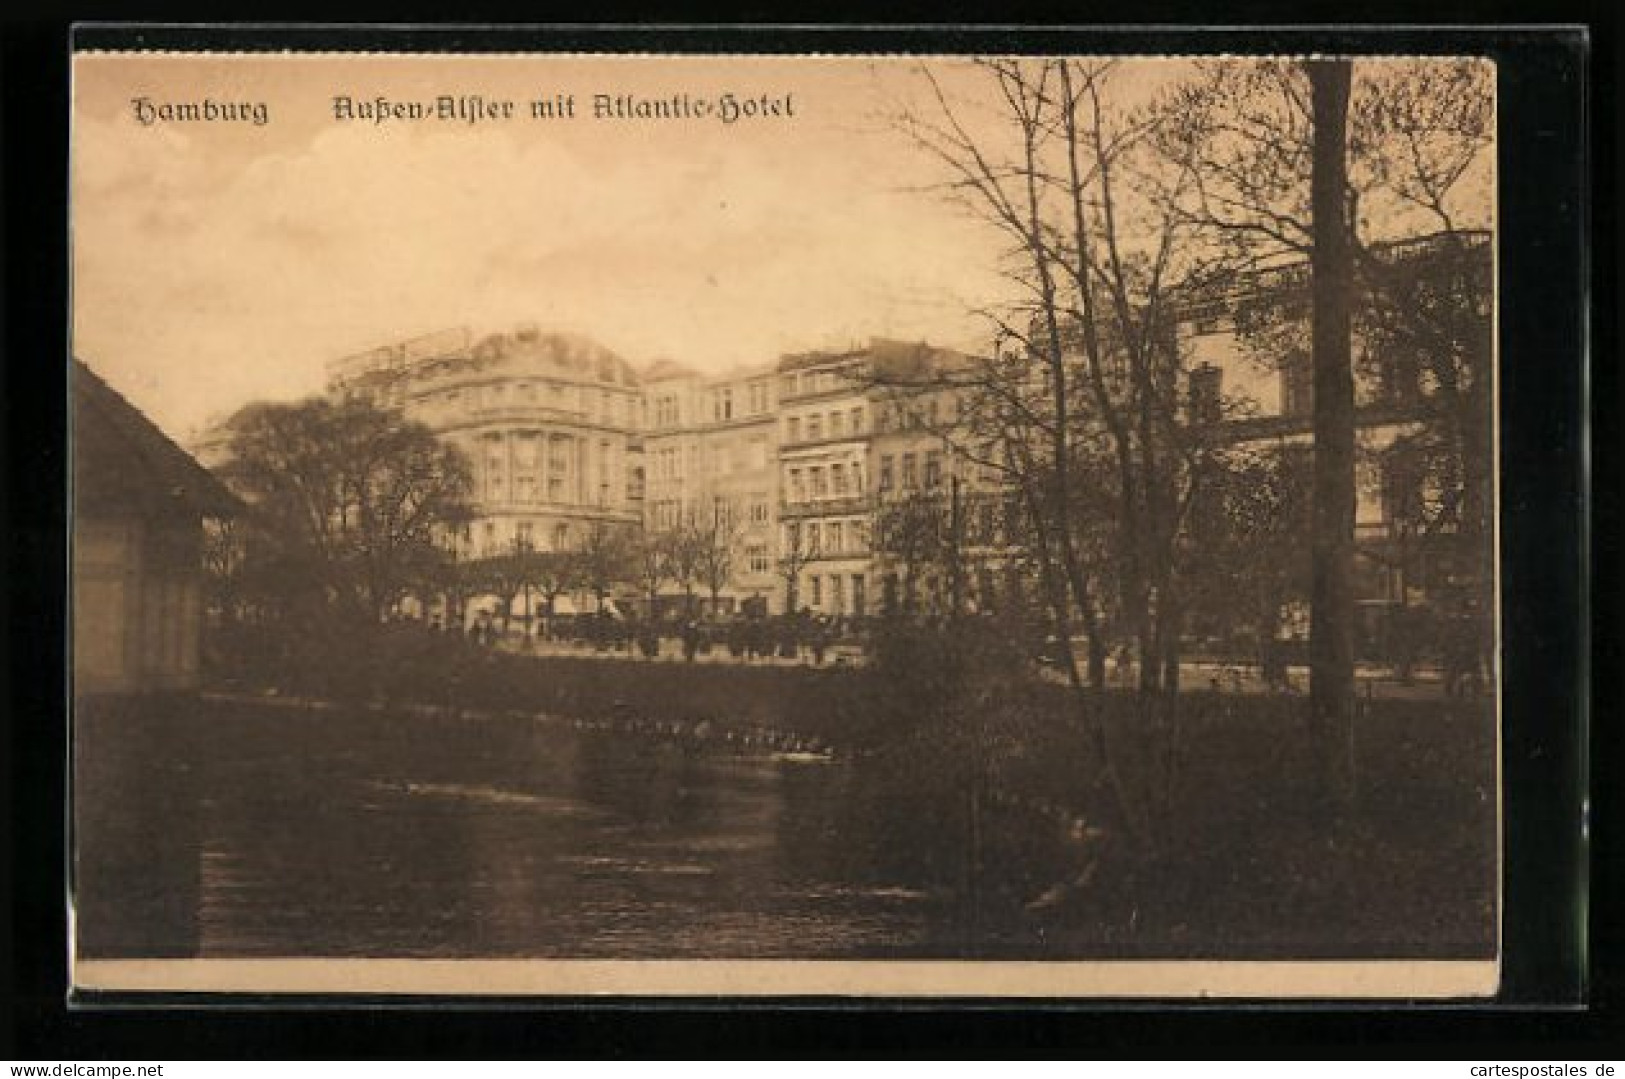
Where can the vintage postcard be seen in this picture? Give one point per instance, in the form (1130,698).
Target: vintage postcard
(840,526)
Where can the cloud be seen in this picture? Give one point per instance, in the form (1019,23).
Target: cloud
(206,276)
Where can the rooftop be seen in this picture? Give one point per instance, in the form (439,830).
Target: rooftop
(121,458)
(564,353)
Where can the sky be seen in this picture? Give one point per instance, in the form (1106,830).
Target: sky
(217,263)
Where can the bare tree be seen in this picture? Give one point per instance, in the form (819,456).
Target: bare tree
(225,552)
(553,573)
(450,576)
(606,559)
(1423,141)
(714,541)
(918,536)
(655,560)
(797,550)
(1084,397)
(676,554)
(700,550)
(1249,529)
(503,576)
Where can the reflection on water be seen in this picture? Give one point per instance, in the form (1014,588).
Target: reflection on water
(512,837)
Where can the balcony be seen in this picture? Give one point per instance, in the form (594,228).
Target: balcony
(519,414)
(824,439)
(820,507)
(847,551)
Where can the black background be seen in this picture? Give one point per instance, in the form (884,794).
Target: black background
(1557,285)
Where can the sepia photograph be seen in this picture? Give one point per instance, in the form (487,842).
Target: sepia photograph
(801,526)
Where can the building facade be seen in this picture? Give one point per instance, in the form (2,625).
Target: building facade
(551,424)
(825,558)
(939,543)
(139,505)
(711,446)
(809,468)
(1420,554)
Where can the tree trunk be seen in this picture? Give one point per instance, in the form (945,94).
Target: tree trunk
(1149,657)
(1170,661)
(1331,627)
(1270,667)
(1097,656)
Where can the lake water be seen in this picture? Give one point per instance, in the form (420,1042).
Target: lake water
(234,829)
(276,832)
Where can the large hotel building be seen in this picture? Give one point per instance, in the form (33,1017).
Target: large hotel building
(552,425)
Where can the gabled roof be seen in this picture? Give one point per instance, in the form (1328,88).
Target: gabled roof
(120,458)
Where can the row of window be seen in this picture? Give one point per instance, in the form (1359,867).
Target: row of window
(755,403)
(529,451)
(909,474)
(526,534)
(816,426)
(668,513)
(527,455)
(981,524)
(837,594)
(712,459)
(807,382)
(827,539)
(1399,384)
(604,406)
(925,412)
(838,480)
(721,404)
(527,490)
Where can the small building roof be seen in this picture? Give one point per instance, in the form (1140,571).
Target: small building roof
(121,458)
